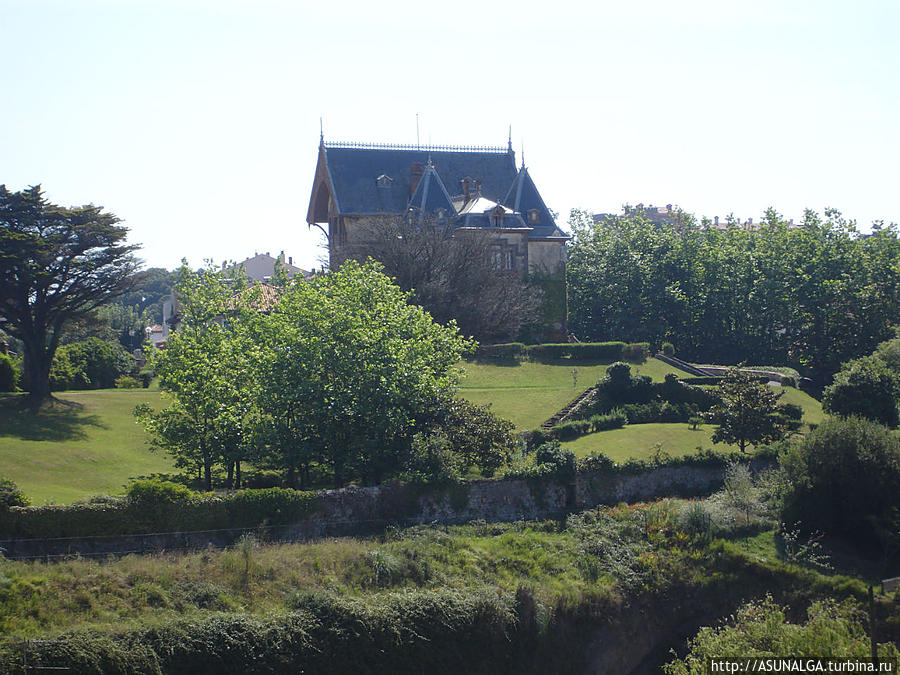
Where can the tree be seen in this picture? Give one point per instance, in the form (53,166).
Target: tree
(205,371)
(748,412)
(344,367)
(865,387)
(56,264)
(451,274)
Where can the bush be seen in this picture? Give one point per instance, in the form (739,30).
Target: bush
(843,480)
(509,351)
(569,430)
(616,419)
(9,374)
(127,382)
(668,349)
(90,364)
(578,351)
(637,352)
(146,377)
(11,494)
(864,387)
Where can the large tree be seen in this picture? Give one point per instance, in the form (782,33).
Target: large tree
(748,412)
(56,264)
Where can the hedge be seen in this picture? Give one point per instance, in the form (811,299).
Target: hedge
(156,506)
(577,351)
(508,351)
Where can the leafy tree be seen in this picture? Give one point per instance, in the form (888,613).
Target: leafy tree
(843,479)
(346,366)
(748,412)
(56,264)
(204,372)
(865,387)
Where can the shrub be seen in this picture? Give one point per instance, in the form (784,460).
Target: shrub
(152,492)
(864,387)
(843,480)
(146,377)
(578,351)
(615,419)
(11,494)
(9,374)
(668,349)
(553,459)
(90,364)
(127,382)
(569,430)
(636,352)
(510,351)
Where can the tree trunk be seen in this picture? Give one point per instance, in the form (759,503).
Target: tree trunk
(229,481)
(237,474)
(36,374)
(207,474)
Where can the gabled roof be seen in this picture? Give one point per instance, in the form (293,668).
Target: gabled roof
(431,196)
(353,170)
(523,196)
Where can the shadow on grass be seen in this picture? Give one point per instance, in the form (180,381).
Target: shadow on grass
(55,420)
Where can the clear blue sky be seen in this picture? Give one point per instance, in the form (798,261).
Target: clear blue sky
(197,122)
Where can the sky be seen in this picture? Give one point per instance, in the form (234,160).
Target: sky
(197,122)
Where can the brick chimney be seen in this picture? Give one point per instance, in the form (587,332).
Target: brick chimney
(415,175)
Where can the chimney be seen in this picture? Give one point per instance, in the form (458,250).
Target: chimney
(717,220)
(750,221)
(281,257)
(415,175)
(466,186)
(290,260)
(477,187)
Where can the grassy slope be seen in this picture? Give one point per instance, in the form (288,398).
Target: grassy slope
(88,444)
(528,394)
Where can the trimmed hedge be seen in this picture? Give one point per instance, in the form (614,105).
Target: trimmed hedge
(158,506)
(577,351)
(509,351)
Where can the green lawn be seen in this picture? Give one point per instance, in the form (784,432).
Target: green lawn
(638,441)
(528,394)
(87,444)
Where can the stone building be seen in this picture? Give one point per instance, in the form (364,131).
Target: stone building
(359,188)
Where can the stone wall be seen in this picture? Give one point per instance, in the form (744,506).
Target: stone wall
(359,511)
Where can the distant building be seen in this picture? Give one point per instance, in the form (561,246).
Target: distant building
(362,187)
(261,267)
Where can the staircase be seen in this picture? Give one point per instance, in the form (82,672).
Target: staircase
(562,414)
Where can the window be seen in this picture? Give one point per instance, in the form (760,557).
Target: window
(534,216)
(384,181)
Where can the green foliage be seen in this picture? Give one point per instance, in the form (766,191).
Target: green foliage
(867,388)
(668,349)
(153,492)
(577,351)
(761,629)
(127,382)
(56,265)
(11,495)
(813,296)
(90,364)
(510,351)
(9,373)
(843,480)
(748,412)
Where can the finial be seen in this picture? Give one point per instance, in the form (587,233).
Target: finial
(523,154)
(321,132)
(510,139)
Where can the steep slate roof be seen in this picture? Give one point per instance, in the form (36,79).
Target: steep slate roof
(352,170)
(430,194)
(523,196)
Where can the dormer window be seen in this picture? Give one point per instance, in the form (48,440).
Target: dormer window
(441,215)
(534,216)
(496,216)
(384,181)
